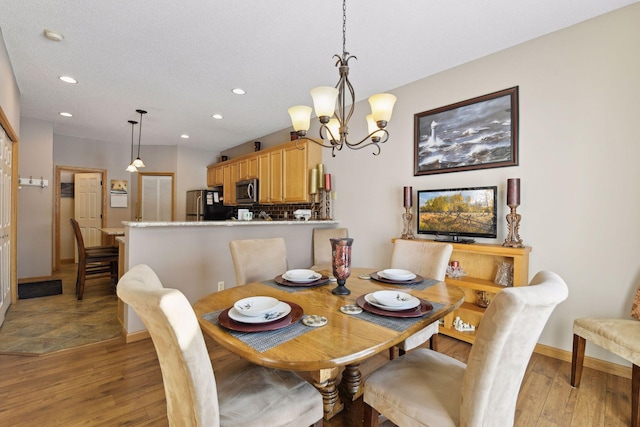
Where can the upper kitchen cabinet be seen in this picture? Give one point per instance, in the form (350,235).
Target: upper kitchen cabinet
(270,177)
(248,168)
(296,165)
(229,178)
(215,176)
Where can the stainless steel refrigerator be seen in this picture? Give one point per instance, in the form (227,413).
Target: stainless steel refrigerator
(207,205)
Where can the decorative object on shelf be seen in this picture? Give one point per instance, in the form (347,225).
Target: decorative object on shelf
(326,204)
(504,274)
(461,326)
(407,216)
(326,100)
(483,299)
(138,163)
(131,167)
(341,263)
(513,240)
(256,145)
(455,271)
(492,119)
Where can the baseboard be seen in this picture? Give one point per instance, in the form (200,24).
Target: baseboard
(35,279)
(135,336)
(589,362)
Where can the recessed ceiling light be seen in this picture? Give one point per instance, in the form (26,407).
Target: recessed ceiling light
(68,79)
(238,91)
(217,116)
(184,136)
(65,114)
(53,35)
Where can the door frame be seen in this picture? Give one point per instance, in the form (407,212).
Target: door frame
(103,211)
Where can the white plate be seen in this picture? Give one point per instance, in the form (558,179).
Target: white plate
(411,304)
(301,276)
(280,311)
(393,298)
(256,306)
(396,274)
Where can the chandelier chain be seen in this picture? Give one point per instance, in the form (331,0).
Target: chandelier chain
(344,26)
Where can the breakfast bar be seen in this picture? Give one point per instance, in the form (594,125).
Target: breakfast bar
(194,257)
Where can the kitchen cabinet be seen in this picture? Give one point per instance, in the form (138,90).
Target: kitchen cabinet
(270,177)
(248,168)
(215,176)
(480,263)
(229,179)
(296,171)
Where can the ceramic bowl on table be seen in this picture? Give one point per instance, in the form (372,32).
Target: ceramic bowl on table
(256,306)
(301,275)
(393,298)
(397,274)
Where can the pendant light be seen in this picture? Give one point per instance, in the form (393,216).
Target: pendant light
(132,168)
(138,163)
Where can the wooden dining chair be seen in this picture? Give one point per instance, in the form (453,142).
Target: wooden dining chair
(427,388)
(236,395)
(258,259)
(429,260)
(322,246)
(94,261)
(619,336)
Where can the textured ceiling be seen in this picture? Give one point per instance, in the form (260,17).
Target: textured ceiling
(180,60)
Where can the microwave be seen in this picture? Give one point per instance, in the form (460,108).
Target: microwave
(247,192)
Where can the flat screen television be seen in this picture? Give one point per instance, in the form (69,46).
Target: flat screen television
(458,214)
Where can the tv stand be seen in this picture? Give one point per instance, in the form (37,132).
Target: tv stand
(454,239)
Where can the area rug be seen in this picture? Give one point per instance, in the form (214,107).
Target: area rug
(44,288)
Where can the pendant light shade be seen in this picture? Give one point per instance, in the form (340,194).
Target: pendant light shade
(138,163)
(131,167)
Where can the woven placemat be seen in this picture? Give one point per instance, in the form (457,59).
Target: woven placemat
(262,341)
(398,324)
(290,289)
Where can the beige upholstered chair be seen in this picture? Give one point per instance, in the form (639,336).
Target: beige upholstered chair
(427,388)
(429,260)
(240,394)
(619,336)
(322,246)
(258,259)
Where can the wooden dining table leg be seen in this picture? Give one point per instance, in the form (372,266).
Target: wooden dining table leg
(351,384)
(325,381)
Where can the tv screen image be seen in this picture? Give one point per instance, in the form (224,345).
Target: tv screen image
(458,214)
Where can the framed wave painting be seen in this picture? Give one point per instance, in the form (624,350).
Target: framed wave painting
(478,133)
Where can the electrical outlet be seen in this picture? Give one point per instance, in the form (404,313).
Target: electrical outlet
(221,286)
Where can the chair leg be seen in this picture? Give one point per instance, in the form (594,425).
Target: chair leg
(635,396)
(433,342)
(371,416)
(82,277)
(577,359)
(318,423)
(392,353)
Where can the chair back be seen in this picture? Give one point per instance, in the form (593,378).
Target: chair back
(322,246)
(428,259)
(258,259)
(503,345)
(79,240)
(189,382)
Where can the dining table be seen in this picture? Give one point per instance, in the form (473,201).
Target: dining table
(111,233)
(325,332)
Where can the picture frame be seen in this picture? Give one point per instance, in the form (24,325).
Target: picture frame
(478,133)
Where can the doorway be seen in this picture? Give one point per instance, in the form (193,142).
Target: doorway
(62,227)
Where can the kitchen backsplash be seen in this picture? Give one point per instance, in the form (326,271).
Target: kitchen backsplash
(277,211)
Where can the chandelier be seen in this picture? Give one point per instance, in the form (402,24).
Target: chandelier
(330,105)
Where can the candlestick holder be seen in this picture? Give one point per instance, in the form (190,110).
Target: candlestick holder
(513,240)
(407,221)
(314,206)
(327,205)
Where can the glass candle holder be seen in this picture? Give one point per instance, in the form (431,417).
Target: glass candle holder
(341,263)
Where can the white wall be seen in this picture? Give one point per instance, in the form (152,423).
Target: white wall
(579,91)
(9,93)
(35,204)
(191,174)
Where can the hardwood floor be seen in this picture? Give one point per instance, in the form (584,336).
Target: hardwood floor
(112,383)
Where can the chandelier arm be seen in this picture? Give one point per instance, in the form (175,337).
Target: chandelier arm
(320,142)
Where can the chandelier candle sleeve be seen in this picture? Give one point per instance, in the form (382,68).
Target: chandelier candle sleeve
(513,192)
(408,197)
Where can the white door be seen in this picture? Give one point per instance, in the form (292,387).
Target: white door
(156,197)
(5,223)
(88,207)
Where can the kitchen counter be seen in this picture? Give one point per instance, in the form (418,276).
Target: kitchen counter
(228,223)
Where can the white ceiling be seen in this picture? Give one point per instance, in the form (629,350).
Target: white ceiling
(179,60)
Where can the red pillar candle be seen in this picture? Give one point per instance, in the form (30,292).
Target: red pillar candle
(327,181)
(408,197)
(513,192)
